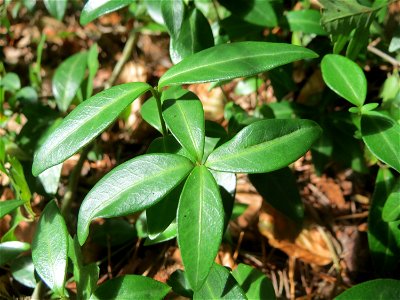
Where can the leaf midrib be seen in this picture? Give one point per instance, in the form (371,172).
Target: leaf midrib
(255,148)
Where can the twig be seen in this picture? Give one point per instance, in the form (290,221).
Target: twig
(126,53)
(384,56)
(239,243)
(292,263)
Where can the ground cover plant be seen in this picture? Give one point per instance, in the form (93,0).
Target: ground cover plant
(101,176)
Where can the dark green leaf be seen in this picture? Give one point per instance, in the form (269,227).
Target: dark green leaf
(381,134)
(242,59)
(95,8)
(133,186)
(67,79)
(195,35)
(27,95)
(113,232)
(279,189)
(22,270)
(180,284)
(173,13)
(256,12)
(307,21)
(8,206)
(200,220)
(11,250)
(383,237)
(50,248)
(220,284)
(345,78)
(185,119)
(391,210)
(56,8)
(84,123)
(265,146)
(166,235)
(131,287)
(254,283)
(379,289)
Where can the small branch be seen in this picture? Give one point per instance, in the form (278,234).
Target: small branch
(126,53)
(384,56)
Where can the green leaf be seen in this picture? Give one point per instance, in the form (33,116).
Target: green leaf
(113,232)
(84,124)
(11,250)
(185,119)
(220,284)
(22,270)
(10,82)
(200,219)
(173,13)
(241,59)
(381,134)
(180,284)
(133,186)
(27,95)
(391,210)
(345,78)
(279,189)
(56,8)
(93,66)
(8,206)
(254,283)
(307,21)
(67,79)
(166,235)
(50,248)
(265,146)
(248,86)
(383,237)
(195,35)
(95,8)
(131,287)
(373,289)
(260,13)
(50,178)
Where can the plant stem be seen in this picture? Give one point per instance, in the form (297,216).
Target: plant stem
(38,291)
(157,95)
(126,53)
(383,55)
(69,196)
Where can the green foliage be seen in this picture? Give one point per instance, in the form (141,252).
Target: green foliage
(376,289)
(94,9)
(56,8)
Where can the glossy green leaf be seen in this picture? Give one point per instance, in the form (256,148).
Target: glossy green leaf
(195,35)
(242,59)
(220,284)
(391,210)
(248,86)
(56,8)
(381,134)
(131,287)
(260,13)
(180,284)
(96,8)
(68,78)
(200,220)
(166,235)
(173,13)
(11,250)
(27,95)
(22,270)
(185,119)
(382,289)
(345,78)
(279,189)
(254,283)
(84,124)
(133,186)
(8,206)
(383,237)
(50,178)
(265,146)
(307,21)
(50,248)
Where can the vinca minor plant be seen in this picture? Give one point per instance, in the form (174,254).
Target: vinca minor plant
(180,181)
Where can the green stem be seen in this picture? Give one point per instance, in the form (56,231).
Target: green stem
(157,95)
(69,196)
